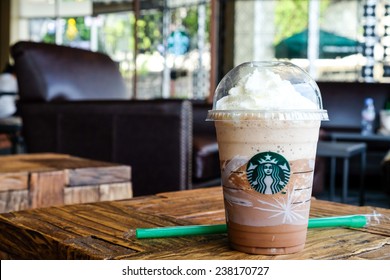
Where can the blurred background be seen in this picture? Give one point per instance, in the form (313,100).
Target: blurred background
(182,48)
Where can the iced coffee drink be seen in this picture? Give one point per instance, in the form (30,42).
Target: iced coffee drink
(267,117)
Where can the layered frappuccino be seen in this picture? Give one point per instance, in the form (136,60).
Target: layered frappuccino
(267,131)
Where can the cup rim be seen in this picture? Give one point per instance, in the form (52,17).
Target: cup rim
(280,114)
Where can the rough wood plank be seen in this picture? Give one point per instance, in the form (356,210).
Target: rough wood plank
(382,253)
(342,244)
(198,206)
(84,194)
(13,181)
(47,188)
(13,200)
(104,192)
(47,162)
(60,230)
(29,162)
(97,247)
(46,175)
(68,162)
(103,230)
(211,192)
(99,175)
(118,191)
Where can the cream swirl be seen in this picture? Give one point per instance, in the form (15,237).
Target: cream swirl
(264,90)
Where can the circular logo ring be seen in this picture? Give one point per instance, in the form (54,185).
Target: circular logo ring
(268,172)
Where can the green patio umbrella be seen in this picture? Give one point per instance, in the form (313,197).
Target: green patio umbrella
(331,45)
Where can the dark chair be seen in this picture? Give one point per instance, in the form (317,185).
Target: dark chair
(386,173)
(75,102)
(205,159)
(48,72)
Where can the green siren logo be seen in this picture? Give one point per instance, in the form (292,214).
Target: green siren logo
(268,172)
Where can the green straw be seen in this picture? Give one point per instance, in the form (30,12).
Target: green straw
(179,231)
(355,221)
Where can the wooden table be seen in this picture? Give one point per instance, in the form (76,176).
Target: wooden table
(40,180)
(100,231)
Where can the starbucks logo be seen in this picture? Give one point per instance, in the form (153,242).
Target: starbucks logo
(268,172)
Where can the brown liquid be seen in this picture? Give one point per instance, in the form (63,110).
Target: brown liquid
(261,223)
(258,224)
(270,240)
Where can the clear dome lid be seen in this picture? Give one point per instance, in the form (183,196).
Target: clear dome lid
(274,89)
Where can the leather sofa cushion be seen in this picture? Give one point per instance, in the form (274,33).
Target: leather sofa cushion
(205,158)
(50,73)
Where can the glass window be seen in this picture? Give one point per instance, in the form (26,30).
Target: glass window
(167,55)
(334,40)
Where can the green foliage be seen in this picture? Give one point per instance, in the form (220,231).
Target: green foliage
(190,22)
(49,38)
(118,31)
(149,28)
(83,30)
(292,16)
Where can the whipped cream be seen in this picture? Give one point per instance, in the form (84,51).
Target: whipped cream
(264,90)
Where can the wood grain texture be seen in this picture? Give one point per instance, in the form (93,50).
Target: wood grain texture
(48,162)
(13,181)
(13,200)
(103,230)
(57,179)
(98,175)
(104,192)
(115,191)
(85,194)
(47,188)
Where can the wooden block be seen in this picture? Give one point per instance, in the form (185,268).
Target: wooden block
(55,179)
(14,200)
(116,191)
(13,181)
(84,194)
(104,192)
(30,162)
(99,175)
(47,188)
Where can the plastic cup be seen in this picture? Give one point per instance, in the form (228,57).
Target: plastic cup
(267,159)
(384,116)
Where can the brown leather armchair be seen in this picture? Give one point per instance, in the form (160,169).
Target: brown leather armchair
(75,102)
